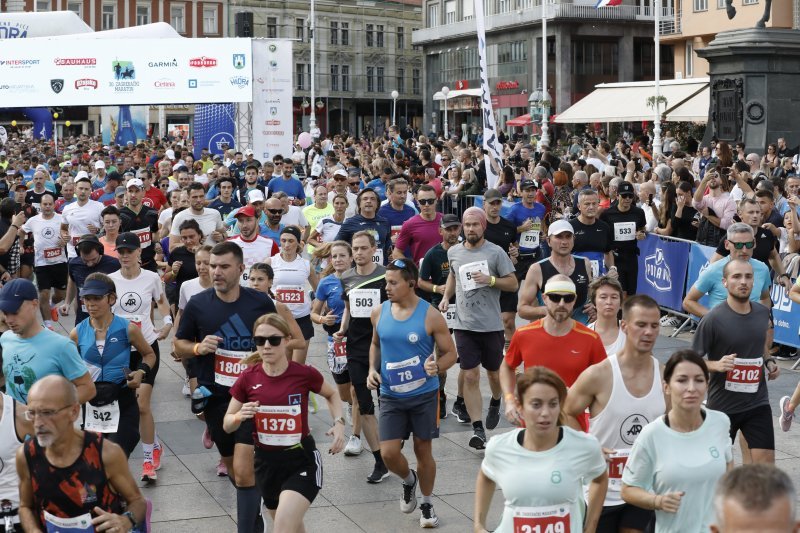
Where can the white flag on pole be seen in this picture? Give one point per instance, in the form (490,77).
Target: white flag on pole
(490,141)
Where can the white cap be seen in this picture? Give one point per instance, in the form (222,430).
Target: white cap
(255,196)
(170,155)
(135,182)
(176,166)
(42,168)
(560,226)
(100,164)
(248,152)
(81,174)
(2,152)
(340,172)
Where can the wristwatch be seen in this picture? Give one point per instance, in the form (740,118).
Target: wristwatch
(129,516)
(339,420)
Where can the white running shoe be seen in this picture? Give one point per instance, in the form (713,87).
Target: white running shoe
(353,446)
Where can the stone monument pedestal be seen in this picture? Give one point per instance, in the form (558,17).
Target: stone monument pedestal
(755,87)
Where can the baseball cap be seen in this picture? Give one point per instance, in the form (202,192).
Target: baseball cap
(450,220)
(217,157)
(246,211)
(492,194)
(81,174)
(559,286)
(560,226)
(128,241)
(135,182)
(96,287)
(20,185)
(340,172)
(255,196)
(99,164)
(248,152)
(526,184)
(15,292)
(120,191)
(170,154)
(626,187)
(2,152)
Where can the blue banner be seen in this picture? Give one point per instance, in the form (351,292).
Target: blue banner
(785,317)
(698,262)
(662,270)
(214,126)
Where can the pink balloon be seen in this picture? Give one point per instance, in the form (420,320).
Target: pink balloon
(304,140)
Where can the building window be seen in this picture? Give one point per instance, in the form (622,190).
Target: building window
(109,16)
(76,7)
(210,26)
(591,57)
(370,32)
(345,78)
(433,15)
(749,2)
(467,9)
(300,29)
(178,17)
(689,59)
(303,76)
(334,77)
(720,4)
(379,35)
(345,34)
(415,76)
(272,28)
(143,14)
(401,80)
(42,5)
(379,75)
(450,11)
(700,5)
(334,32)
(370,79)
(401,38)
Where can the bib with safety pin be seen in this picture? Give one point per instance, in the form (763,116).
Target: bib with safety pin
(290,294)
(340,353)
(136,320)
(624,231)
(52,255)
(465,274)
(79,524)
(530,238)
(551,519)
(377,257)
(362,301)
(450,316)
(279,425)
(103,419)
(406,376)
(227,366)
(616,465)
(396,231)
(144,235)
(745,376)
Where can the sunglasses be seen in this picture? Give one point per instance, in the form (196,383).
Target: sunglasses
(739,245)
(626,196)
(427,201)
(339,179)
(273,340)
(275,211)
(398,263)
(557,298)
(354,183)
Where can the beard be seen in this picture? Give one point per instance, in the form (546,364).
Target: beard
(45,440)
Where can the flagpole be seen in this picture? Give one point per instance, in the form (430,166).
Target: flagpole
(545,138)
(657,118)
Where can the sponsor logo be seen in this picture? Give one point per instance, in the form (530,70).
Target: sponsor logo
(221,139)
(240,82)
(130,302)
(56,85)
(13,30)
(273,48)
(631,427)
(164,83)
(657,272)
(203,62)
(19,63)
(238,61)
(272,122)
(273,65)
(273,110)
(75,61)
(17,87)
(172,63)
(196,84)
(193,84)
(123,70)
(85,84)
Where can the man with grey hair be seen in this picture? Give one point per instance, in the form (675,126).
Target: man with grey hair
(757,497)
(663,172)
(580,181)
(649,204)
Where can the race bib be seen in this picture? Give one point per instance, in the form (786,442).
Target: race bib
(624,231)
(227,366)
(102,419)
(552,519)
(396,231)
(362,301)
(79,524)
(406,376)
(74,240)
(466,271)
(279,425)
(145,237)
(450,316)
(616,465)
(136,320)
(340,353)
(745,376)
(52,255)
(530,238)
(377,258)
(291,294)
(595,267)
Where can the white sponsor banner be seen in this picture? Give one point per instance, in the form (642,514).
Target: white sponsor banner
(272,98)
(43,72)
(490,141)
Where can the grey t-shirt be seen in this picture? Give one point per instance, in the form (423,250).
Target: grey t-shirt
(723,331)
(478,309)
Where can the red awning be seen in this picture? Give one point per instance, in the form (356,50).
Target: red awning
(523,120)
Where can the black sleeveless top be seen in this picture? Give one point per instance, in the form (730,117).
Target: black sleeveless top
(579,277)
(73,490)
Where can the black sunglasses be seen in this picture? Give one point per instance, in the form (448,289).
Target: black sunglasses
(556,298)
(273,340)
(427,201)
(275,211)
(398,263)
(739,245)
(626,196)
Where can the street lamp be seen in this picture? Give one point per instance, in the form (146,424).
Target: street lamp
(395,95)
(445,92)
(534,106)
(312,120)
(545,139)
(55,133)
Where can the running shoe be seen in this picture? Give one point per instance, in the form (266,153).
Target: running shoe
(222,470)
(478,439)
(409,502)
(157,451)
(49,324)
(786,415)
(787,353)
(186,390)
(459,410)
(312,403)
(207,442)
(379,473)
(54,313)
(442,405)
(670,321)
(493,416)
(149,472)
(353,446)
(428,518)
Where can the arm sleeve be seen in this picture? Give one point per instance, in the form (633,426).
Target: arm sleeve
(489,464)
(503,264)
(598,351)
(187,329)
(640,468)
(702,337)
(239,389)
(425,268)
(726,218)
(513,356)
(315,379)
(404,237)
(345,233)
(71,363)
(175,224)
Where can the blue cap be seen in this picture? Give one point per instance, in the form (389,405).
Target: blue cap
(95,287)
(15,292)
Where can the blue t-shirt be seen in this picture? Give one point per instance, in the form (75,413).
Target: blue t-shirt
(710,281)
(25,361)
(379,187)
(275,235)
(292,187)
(529,241)
(329,291)
(395,217)
(223,208)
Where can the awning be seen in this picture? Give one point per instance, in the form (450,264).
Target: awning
(627,102)
(523,120)
(455,94)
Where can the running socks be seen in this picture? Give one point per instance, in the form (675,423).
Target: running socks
(248,507)
(494,402)
(147,450)
(409,479)
(378,459)
(427,499)
(478,424)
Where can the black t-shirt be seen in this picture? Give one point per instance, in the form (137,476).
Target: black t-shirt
(503,234)
(595,237)
(359,331)
(146,218)
(205,314)
(188,270)
(435,268)
(35,199)
(78,272)
(682,227)
(622,231)
(765,243)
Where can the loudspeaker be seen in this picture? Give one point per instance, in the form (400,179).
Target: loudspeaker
(244,24)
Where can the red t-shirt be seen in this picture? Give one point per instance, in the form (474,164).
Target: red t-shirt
(567,356)
(282,395)
(154,198)
(419,235)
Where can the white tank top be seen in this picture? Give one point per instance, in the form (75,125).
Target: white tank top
(9,443)
(623,418)
(289,285)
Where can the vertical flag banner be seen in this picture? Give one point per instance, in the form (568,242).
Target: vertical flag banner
(273,90)
(490,142)
(123,123)
(214,126)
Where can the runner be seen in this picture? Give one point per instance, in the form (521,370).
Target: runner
(755,498)
(57,466)
(528,216)
(90,259)
(627,223)
(363,287)
(142,220)
(328,227)
(560,239)
(556,455)
(256,248)
(420,233)
(678,458)
(396,209)
(105,341)
(605,293)
(111,229)
(292,273)
(209,219)
(288,466)
(479,270)
(731,336)
(328,296)
(367,219)
(318,211)
(80,217)
(138,289)
(406,330)
(623,394)
(14,428)
(181,261)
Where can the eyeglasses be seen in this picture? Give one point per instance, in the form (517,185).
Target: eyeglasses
(427,201)
(739,245)
(626,196)
(273,340)
(557,298)
(275,211)
(47,414)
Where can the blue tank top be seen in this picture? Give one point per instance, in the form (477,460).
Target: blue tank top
(405,345)
(116,353)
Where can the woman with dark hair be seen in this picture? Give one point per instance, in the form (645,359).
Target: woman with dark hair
(557,457)
(508,183)
(771,158)
(677,460)
(666,209)
(724,155)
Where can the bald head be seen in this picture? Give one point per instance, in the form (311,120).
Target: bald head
(54,387)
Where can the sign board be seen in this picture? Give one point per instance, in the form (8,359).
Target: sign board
(272,98)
